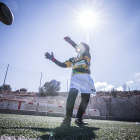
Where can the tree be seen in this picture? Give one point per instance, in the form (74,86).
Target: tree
(5,87)
(124,86)
(128,88)
(113,92)
(23,90)
(50,88)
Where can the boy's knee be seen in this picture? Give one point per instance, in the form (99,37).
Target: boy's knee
(74,90)
(85,97)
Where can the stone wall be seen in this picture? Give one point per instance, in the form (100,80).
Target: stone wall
(124,105)
(119,107)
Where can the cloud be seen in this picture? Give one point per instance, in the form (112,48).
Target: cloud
(102,89)
(109,87)
(120,88)
(100,84)
(104,86)
(129,82)
(138,79)
(137,74)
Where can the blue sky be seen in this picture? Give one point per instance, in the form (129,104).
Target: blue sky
(40,26)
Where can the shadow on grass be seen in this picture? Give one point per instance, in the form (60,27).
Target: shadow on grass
(64,132)
(72,133)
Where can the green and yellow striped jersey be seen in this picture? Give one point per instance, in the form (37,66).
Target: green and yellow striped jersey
(80,65)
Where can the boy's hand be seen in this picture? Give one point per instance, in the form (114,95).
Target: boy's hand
(48,56)
(68,39)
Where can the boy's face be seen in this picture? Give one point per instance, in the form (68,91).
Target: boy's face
(80,49)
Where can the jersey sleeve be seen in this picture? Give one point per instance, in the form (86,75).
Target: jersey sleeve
(60,64)
(68,63)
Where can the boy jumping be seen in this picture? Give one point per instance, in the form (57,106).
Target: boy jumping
(80,80)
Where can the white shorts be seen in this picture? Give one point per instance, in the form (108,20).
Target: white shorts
(83,83)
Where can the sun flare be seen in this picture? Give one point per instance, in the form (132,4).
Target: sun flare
(87,19)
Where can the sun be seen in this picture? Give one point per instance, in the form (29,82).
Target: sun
(87,19)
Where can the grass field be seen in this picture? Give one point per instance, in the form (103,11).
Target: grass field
(49,128)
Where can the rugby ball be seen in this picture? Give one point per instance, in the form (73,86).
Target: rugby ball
(6,15)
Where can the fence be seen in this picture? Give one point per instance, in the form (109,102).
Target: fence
(19,78)
(16,104)
(132,88)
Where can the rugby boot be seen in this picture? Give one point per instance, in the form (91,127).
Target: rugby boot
(80,121)
(66,121)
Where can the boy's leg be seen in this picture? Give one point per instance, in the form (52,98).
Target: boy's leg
(71,101)
(83,105)
(69,106)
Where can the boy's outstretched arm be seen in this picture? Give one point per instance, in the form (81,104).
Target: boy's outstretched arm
(51,57)
(68,39)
